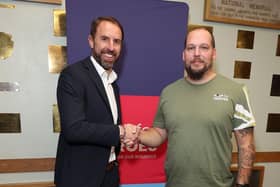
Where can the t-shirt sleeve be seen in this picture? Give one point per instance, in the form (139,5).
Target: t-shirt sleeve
(243,116)
(159,117)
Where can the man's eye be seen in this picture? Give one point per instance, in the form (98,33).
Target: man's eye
(104,38)
(204,47)
(190,48)
(117,41)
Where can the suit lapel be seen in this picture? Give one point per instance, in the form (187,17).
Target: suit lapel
(96,79)
(117,95)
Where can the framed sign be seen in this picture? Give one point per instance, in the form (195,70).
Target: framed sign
(58,2)
(259,13)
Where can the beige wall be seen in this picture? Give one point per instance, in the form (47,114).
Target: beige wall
(31,27)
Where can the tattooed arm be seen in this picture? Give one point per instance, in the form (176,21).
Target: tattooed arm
(246,154)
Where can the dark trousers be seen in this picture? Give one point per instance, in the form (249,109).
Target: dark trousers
(112,177)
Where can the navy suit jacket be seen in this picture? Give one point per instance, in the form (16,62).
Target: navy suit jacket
(87,127)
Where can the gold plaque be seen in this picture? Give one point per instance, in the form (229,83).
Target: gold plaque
(7,6)
(10,123)
(6,45)
(59,22)
(56,119)
(242,69)
(245,39)
(58,2)
(192,27)
(278,47)
(57,58)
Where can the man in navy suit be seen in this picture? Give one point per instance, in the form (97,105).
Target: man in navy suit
(89,106)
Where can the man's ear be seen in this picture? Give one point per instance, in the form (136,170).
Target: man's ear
(214,54)
(183,55)
(90,41)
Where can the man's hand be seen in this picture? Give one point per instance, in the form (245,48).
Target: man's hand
(131,134)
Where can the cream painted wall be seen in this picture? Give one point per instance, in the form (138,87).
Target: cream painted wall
(31,27)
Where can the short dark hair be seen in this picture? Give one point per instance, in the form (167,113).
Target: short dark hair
(95,23)
(202,28)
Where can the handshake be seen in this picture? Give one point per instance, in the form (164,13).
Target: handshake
(130,134)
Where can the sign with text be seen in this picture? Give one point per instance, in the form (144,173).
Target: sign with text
(145,163)
(258,13)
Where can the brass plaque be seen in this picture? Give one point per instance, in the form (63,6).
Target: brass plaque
(192,27)
(242,69)
(58,2)
(57,58)
(245,39)
(56,119)
(6,45)
(10,123)
(273,123)
(59,22)
(275,85)
(9,87)
(278,47)
(7,6)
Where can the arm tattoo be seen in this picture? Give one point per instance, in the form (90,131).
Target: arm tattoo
(244,132)
(247,156)
(246,152)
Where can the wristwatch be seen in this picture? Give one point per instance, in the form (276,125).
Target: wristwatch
(242,185)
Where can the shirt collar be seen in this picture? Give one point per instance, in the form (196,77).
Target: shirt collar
(110,78)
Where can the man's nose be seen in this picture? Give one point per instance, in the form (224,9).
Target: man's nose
(197,51)
(111,44)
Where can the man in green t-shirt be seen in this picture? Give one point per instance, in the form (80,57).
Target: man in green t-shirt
(197,114)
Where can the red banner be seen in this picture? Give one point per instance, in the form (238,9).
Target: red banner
(141,164)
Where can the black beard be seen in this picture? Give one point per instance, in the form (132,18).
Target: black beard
(194,75)
(197,75)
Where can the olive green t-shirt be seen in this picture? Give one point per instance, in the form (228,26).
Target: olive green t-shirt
(199,120)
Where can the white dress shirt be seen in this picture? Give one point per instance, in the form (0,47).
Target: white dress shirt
(108,79)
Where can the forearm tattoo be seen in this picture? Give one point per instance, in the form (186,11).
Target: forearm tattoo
(246,149)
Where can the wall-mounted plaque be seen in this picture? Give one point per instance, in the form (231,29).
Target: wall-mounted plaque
(260,13)
(58,2)
(7,6)
(59,22)
(245,39)
(57,58)
(6,45)
(275,86)
(191,27)
(278,47)
(10,123)
(9,86)
(242,69)
(273,123)
(56,119)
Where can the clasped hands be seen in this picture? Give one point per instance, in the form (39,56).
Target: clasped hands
(130,134)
